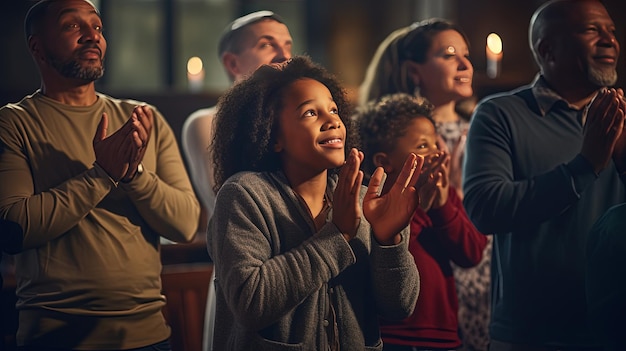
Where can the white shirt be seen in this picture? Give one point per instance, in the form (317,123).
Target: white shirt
(196,135)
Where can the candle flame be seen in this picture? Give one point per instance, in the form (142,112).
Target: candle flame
(494,43)
(194,65)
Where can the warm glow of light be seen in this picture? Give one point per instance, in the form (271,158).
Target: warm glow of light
(194,65)
(494,43)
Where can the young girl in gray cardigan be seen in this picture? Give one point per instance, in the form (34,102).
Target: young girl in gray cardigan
(306,257)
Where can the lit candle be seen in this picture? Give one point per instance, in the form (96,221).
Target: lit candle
(195,74)
(494,55)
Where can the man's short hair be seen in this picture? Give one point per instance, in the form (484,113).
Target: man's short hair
(37,12)
(231,36)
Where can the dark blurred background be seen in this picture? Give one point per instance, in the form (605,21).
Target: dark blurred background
(150,42)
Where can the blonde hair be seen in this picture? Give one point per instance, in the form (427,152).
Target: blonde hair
(388,73)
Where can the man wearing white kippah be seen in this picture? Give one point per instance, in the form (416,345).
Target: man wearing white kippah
(246,44)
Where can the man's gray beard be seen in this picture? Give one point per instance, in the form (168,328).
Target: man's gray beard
(602,77)
(72,69)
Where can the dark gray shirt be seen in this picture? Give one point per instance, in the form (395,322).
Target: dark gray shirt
(526,182)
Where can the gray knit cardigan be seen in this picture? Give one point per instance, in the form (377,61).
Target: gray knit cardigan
(276,277)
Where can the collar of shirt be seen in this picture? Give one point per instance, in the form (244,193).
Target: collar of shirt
(546,98)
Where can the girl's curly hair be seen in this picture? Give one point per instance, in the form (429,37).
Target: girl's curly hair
(247,116)
(382,122)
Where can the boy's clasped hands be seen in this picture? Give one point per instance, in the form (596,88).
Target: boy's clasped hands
(422,182)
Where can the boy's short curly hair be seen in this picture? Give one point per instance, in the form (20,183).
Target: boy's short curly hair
(247,116)
(383,121)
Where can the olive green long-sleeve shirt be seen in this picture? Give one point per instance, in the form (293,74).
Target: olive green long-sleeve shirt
(88,269)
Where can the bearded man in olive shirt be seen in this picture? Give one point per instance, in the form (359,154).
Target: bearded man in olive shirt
(94,182)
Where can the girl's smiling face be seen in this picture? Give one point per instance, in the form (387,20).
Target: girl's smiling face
(311,134)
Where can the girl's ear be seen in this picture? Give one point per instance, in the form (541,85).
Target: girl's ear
(381,160)
(278,146)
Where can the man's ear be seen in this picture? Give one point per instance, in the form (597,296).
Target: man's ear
(231,64)
(380,159)
(34,45)
(544,50)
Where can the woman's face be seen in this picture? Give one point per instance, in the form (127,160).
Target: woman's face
(446,75)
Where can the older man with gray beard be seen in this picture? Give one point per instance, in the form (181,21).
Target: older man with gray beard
(543,163)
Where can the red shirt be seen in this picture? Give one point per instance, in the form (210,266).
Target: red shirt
(438,237)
